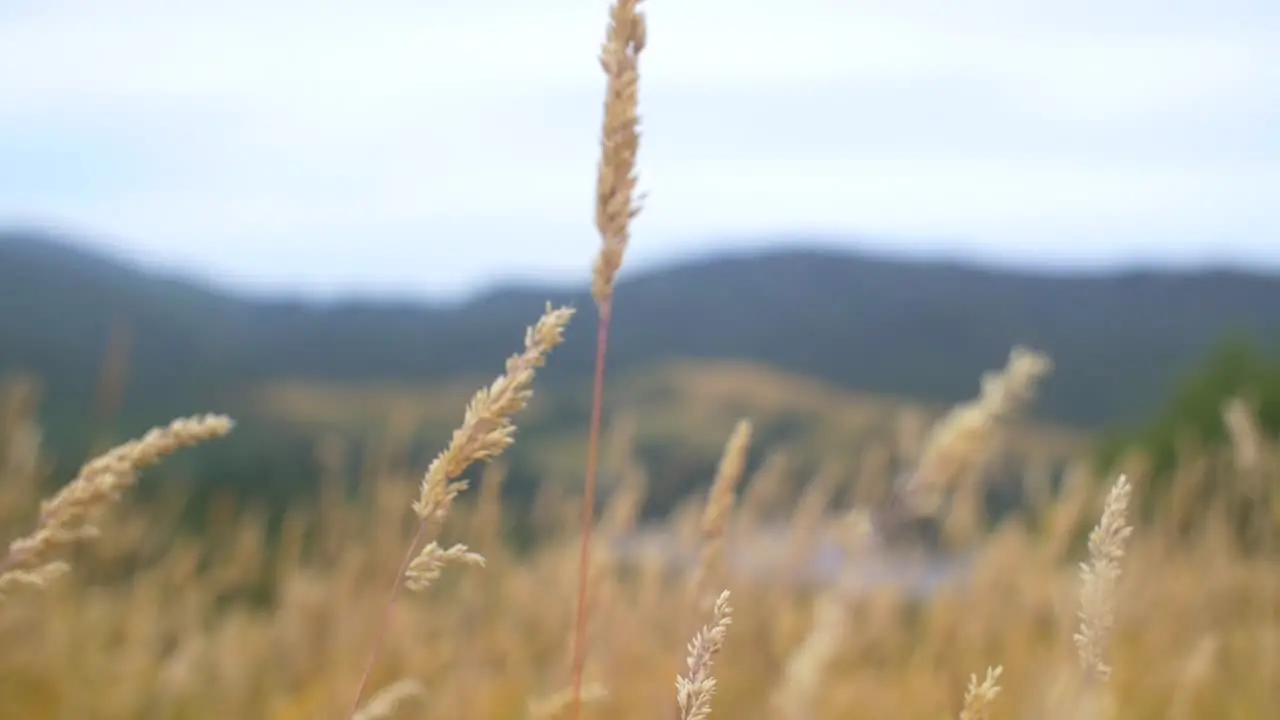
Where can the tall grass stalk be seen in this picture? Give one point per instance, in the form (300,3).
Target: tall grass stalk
(616,205)
(486,431)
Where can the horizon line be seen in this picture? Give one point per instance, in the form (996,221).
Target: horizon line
(754,247)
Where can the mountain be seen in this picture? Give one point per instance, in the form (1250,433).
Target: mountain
(915,329)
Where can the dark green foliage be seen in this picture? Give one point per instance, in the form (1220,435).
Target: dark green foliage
(1237,367)
(1191,420)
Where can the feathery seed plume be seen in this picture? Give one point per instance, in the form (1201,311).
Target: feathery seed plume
(71,514)
(695,690)
(487,429)
(616,203)
(724,489)
(980,697)
(1099,577)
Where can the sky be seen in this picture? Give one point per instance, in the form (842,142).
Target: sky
(435,147)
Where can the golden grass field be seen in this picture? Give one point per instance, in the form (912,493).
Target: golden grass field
(1196,621)
(406,603)
(686,402)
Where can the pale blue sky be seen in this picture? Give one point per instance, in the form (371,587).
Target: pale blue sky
(429,147)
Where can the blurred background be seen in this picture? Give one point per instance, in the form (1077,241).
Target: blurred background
(333,221)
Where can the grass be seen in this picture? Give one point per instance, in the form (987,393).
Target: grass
(686,404)
(1173,617)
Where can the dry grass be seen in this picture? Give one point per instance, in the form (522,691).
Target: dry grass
(230,625)
(487,430)
(692,400)
(1185,628)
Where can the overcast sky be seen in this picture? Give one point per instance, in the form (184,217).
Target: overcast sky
(434,146)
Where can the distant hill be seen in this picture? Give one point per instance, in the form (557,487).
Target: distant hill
(674,417)
(915,329)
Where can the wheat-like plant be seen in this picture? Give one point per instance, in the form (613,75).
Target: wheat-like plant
(979,698)
(1098,581)
(72,514)
(717,514)
(959,441)
(695,689)
(487,430)
(616,206)
(805,671)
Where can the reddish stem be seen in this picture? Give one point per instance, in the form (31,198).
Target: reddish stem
(384,621)
(588,507)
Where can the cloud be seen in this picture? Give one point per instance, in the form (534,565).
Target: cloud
(400,146)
